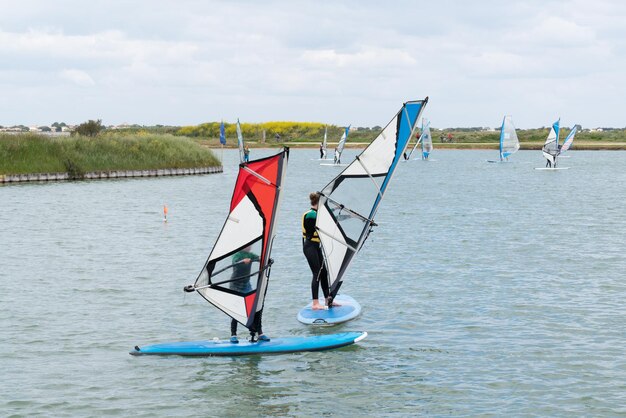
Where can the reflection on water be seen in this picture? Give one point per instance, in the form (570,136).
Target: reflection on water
(486,289)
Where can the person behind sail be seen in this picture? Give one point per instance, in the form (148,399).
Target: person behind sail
(321,151)
(246,154)
(549,161)
(337,159)
(242,267)
(313,253)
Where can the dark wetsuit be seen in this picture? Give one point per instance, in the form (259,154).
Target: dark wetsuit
(313,253)
(241,269)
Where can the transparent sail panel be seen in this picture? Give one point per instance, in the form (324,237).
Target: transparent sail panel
(238,272)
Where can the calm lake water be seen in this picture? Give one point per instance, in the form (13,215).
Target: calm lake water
(487,289)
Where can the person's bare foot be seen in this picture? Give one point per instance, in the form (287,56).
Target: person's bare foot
(317,307)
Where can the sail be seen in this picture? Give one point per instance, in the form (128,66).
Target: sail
(240,142)
(222,134)
(427,140)
(342,143)
(509,144)
(234,277)
(551,146)
(349,202)
(325,143)
(570,139)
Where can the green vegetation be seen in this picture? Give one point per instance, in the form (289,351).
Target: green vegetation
(89,128)
(30,153)
(287,132)
(306,133)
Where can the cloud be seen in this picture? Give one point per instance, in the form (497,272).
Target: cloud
(189,62)
(78,77)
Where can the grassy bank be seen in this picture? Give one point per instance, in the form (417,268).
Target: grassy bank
(307,135)
(30,153)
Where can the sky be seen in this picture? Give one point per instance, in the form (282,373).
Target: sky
(339,62)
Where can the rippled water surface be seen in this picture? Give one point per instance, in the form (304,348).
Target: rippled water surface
(486,289)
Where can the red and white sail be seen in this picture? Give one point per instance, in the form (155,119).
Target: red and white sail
(245,241)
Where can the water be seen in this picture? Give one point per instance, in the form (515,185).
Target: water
(487,289)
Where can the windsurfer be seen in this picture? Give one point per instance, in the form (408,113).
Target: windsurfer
(337,157)
(321,151)
(313,253)
(242,267)
(246,154)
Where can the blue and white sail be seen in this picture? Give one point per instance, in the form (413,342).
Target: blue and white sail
(569,140)
(350,201)
(240,143)
(551,146)
(426,139)
(341,144)
(509,144)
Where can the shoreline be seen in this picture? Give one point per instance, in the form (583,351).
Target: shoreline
(524,146)
(111,174)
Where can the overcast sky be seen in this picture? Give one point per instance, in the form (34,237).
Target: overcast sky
(340,62)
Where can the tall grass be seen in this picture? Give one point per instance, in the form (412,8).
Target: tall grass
(29,153)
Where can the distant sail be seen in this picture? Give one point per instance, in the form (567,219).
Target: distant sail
(325,143)
(222,134)
(509,144)
(349,202)
(248,233)
(551,146)
(240,142)
(342,143)
(570,139)
(427,140)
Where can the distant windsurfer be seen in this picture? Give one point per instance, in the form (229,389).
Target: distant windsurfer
(337,157)
(321,151)
(246,154)
(313,253)
(242,267)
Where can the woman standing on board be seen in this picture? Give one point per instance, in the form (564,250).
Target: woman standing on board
(313,252)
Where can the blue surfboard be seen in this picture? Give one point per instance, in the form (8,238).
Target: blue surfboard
(348,310)
(245,348)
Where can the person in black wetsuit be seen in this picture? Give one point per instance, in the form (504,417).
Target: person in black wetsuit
(242,267)
(313,253)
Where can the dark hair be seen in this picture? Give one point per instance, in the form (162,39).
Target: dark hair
(315,198)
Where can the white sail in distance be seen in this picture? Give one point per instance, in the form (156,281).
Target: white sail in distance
(240,142)
(349,202)
(341,144)
(569,140)
(509,144)
(551,146)
(426,139)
